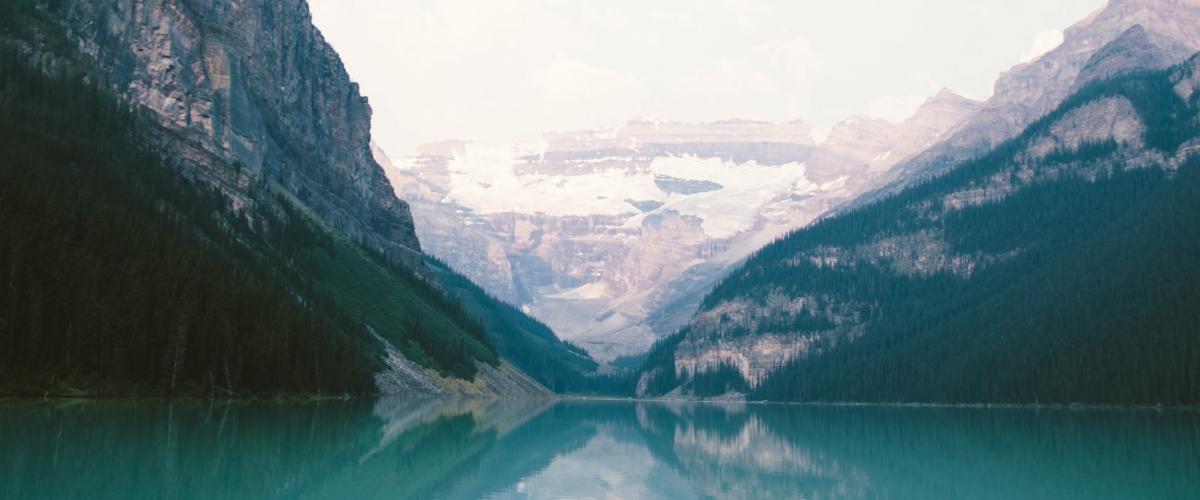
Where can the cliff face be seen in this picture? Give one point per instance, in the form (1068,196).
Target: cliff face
(1128,34)
(251,84)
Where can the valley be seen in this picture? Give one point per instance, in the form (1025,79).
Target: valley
(918,259)
(541,249)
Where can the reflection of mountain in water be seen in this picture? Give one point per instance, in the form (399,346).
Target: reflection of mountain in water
(742,451)
(394,448)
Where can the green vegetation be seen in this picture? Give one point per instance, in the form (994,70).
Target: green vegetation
(119,276)
(724,380)
(1091,297)
(403,308)
(659,366)
(525,342)
(529,344)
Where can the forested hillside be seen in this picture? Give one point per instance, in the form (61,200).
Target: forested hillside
(1027,275)
(525,342)
(122,277)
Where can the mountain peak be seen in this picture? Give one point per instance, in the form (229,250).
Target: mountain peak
(947,96)
(948,93)
(1170,24)
(1131,50)
(944,109)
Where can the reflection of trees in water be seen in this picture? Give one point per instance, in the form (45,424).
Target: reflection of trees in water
(471,448)
(199,449)
(188,448)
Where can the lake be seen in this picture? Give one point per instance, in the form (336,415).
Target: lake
(401,448)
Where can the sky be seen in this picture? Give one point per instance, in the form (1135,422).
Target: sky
(502,71)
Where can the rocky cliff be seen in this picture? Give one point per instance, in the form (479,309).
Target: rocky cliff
(252,99)
(1030,90)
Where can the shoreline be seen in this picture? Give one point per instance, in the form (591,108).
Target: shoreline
(829,404)
(617,399)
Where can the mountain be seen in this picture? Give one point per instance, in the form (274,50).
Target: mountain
(253,84)
(192,208)
(1030,90)
(611,237)
(525,342)
(1056,268)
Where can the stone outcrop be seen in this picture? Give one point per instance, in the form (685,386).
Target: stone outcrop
(1131,51)
(251,99)
(1115,39)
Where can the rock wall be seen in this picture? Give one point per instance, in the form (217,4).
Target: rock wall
(1122,35)
(252,98)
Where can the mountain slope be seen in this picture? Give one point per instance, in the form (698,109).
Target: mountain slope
(122,278)
(1030,90)
(1057,268)
(300,284)
(527,343)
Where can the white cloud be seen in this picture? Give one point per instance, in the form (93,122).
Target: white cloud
(896,108)
(490,71)
(749,13)
(444,31)
(569,80)
(795,57)
(727,79)
(1044,42)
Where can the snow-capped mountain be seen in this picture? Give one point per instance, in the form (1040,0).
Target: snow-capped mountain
(612,236)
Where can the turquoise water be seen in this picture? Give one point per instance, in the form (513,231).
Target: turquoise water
(396,448)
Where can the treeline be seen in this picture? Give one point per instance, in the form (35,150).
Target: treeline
(1088,291)
(659,366)
(525,342)
(119,277)
(1098,310)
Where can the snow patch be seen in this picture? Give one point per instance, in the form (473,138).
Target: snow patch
(485,179)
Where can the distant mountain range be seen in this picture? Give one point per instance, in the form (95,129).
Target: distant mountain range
(612,236)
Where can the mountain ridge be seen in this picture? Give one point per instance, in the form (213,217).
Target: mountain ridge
(1005,279)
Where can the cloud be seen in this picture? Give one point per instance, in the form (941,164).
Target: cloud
(1044,42)
(728,79)
(896,108)
(748,13)
(569,80)
(492,71)
(795,57)
(444,31)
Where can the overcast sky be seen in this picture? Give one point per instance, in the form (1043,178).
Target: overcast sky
(499,71)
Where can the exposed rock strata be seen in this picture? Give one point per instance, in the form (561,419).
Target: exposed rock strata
(251,96)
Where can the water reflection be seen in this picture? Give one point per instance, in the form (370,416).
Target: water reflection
(397,448)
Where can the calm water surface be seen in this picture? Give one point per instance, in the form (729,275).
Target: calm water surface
(396,448)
